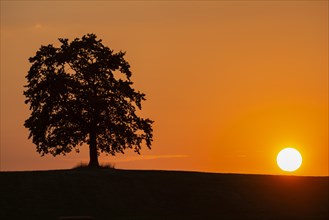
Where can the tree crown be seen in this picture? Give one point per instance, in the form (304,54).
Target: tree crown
(80,90)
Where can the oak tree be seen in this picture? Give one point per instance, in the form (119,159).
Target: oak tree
(81,92)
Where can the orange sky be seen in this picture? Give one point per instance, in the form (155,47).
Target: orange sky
(228,84)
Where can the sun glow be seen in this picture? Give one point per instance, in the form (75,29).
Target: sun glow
(289,159)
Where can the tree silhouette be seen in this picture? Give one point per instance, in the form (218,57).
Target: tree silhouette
(81,92)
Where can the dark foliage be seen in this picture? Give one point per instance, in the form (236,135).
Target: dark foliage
(81,92)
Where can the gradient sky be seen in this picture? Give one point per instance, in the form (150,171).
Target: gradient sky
(228,84)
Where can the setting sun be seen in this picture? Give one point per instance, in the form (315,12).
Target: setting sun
(289,159)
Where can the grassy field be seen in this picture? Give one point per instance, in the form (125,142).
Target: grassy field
(125,194)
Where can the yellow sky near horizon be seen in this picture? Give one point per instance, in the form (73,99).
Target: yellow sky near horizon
(228,84)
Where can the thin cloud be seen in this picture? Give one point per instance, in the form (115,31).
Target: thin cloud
(146,157)
(37,26)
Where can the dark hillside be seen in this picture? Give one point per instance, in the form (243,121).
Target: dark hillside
(123,194)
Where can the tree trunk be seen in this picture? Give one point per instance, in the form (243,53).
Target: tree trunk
(93,150)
